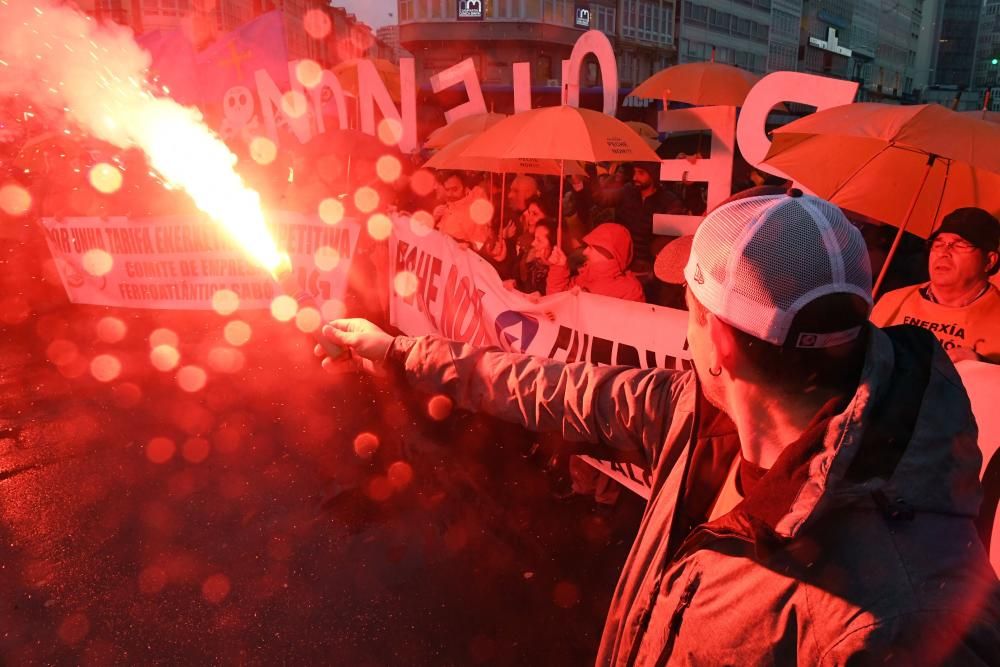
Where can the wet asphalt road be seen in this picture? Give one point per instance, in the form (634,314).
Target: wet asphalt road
(144,524)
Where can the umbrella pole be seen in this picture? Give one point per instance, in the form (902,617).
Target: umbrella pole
(902,227)
(503,198)
(559,222)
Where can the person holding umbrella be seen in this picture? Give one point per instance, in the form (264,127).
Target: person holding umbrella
(959,304)
(814,479)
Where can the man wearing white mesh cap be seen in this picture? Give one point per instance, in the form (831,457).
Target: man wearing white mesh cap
(805,507)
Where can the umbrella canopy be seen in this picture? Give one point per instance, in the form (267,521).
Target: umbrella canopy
(347,73)
(475,124)
(701,84)
(562,133)
(908,166)
(873,159)
(990,116)
(647,132)
(453,156)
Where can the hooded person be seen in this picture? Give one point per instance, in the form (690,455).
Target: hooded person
(814,480)
(608,253)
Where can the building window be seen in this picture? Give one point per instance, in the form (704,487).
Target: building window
(603,19)
(647,21)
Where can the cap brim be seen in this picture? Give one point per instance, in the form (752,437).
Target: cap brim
(671,260)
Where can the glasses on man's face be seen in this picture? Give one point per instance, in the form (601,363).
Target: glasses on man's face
(959,246)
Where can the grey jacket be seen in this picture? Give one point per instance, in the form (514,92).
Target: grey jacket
(857,547)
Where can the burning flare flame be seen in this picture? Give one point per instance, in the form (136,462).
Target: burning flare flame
(64,62)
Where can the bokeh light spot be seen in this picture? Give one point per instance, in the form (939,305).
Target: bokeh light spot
(111,329)
(127,395)
(379,226)
(105,367)
(423,182)
(334,309)
(195,450)
(97,262)
(216,588)
(388,168)
(14,199)
(283,308)
(405,284)
(192,378)
(365,445)
(379,488)
(62,352)
(163,336)
(326,258)
(74,628)
(481,211)
(439,407)
(237,332)
(309,73)
(566,594)
(152,580)
(164,357)
(390,131)
(316,23)
(226,359)
(263,150)
(225,301)
(105,178)
(308,320)
(400,475)
(160,449)
(331,211)
(293,104)
(366,199)
(421,223)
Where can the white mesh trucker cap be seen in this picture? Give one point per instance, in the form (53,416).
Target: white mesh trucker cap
(756,262)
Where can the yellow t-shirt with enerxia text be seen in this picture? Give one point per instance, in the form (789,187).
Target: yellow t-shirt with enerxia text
(976,326)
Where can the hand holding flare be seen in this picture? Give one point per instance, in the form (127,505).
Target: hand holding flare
(289,284)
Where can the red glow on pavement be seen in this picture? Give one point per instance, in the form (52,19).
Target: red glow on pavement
(191,378)
(331,211)
(105,367)
(216,588)
(309,73)
(164,357)
(225,302)
(439,407)
(195,450)
(160,449)
(379,226)
(308,320)
(14,200)
(317,24)
(365,445)
(237,332)
(366,199)
(97,262)
(111,329)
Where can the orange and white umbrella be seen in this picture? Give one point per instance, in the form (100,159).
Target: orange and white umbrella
(908,166)
(647,132)
(474,124)
(453,156)
(562,133)
(701,84)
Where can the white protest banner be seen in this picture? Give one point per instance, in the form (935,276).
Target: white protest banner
(457,294)
(180,262)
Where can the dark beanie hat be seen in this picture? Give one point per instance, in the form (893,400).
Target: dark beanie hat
(974,225)
(651,168)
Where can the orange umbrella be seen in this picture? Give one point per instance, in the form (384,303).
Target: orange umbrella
(453,156)
(562,133)
(347,73)
(475,124)
(701,84)
(990,116)
(908,166)
(647,132)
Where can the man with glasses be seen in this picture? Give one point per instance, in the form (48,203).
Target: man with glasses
(959,305)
